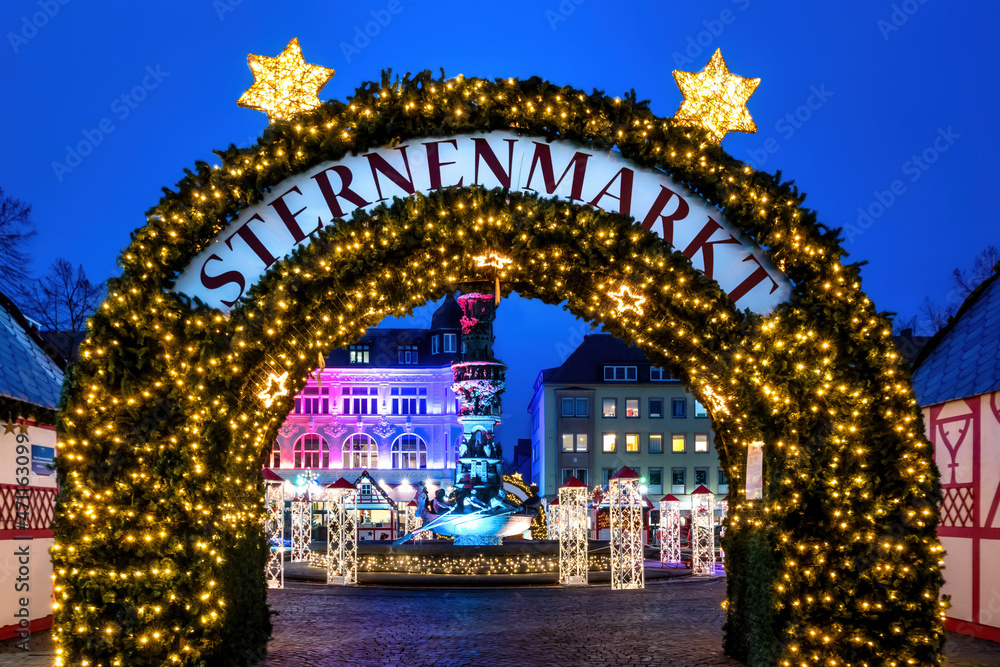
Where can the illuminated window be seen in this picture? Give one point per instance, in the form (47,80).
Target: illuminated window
(655,443)
(632,442)
(574,442)
(609,442)
(701,442)
(409,451)
(678,443)
(275,455)
(367,405)
(409,400)
(407,354)
(311,451)
(631,407)
(450,342)
(360,451)
(312,401)
(620,373)
(678,407)
(609,407)
(655,408)
(699,410)
(358,354)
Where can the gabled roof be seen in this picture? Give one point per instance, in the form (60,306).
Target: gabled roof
(28,375)
(379,491)
(586,364)
(963,359)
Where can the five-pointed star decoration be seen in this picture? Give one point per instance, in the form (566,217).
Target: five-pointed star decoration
(285,85)
(628,300)
(9,427)
(715,99)
(275,387)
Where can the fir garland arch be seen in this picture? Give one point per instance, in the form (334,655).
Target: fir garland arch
(159,552)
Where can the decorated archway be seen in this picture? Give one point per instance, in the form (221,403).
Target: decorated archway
(715,270)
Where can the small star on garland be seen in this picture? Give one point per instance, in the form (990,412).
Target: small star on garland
(285,85)
(715,99)
(628,300)
(275,388)
(9,427)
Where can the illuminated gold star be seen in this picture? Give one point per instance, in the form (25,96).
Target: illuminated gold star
(275,387)
(628,300)
(715,99)
(284,85)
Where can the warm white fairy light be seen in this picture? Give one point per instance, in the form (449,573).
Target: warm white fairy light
(274,389)
(715,99)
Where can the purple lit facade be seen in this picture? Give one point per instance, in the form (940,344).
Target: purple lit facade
(384,405)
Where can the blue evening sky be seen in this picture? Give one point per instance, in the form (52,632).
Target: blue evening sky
(887,82)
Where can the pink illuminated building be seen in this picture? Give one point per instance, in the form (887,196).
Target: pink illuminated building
(384,405)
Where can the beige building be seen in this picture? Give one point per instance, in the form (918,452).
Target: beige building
(606,407)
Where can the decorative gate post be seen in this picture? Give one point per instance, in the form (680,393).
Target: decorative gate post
(274,528)
(626,530)
(573,562)
(702,531)
(552,525)
(302,518)
(341,533)
(670,530)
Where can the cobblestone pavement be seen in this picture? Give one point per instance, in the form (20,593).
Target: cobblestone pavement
(676,623)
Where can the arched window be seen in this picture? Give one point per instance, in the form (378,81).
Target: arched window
(275,455)
(312,451)
(409,451)
(360,451)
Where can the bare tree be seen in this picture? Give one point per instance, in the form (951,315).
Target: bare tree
(934,317)
(61,302)
(16,228)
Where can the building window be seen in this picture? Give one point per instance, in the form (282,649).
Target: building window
(655,443)
(435,344)
(678,407)
(311,451)
(609,442)
(450,342)
(700,476)
(620,373)
(275,455)
(409,400)
(579,473)
(655,480)
(574,442)
(632,442)
(699,410)
(358,354)
(312,401)
(678,443)
(606,474)
(360,400)
(658,374)
(407,354)
(678,480)
(631,408)
(409,451)
(575,407)
(656,408)
(701,442)
(360,451)
(609,407)
(723,481)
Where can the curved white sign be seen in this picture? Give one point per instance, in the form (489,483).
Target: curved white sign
(302,205)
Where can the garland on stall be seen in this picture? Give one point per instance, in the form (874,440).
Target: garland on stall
(159,549)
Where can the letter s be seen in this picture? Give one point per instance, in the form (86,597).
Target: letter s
(229,277)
